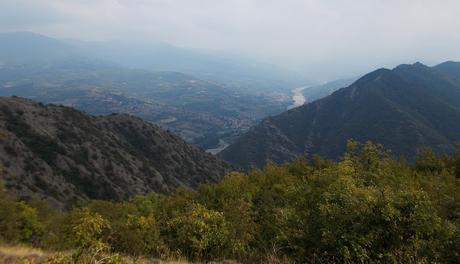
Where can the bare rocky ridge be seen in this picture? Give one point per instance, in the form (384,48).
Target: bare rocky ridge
(64,155)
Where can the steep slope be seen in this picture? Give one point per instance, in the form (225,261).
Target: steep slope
(316,92)
(406,108)
(64,155)
(450,68)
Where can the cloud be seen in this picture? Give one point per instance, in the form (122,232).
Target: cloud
(322,36)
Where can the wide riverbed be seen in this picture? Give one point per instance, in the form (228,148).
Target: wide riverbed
(298,100)
(222,146)
(297,97)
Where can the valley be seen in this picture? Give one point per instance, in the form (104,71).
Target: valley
(99,80)
(112,152)
(201,112)
(228,132)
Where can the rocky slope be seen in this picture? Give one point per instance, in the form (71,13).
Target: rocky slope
(64,155)
(409,107)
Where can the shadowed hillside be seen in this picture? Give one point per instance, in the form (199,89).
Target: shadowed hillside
(66,156)
(409,107)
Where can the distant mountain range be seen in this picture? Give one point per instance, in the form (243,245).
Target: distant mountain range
(64,155)
(203,112)
(405,109)
(236,71)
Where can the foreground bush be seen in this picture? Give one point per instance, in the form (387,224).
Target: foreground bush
(366,208)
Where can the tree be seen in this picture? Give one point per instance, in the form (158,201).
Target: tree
(199,233)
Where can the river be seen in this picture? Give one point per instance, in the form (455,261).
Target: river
(297,97)
(222,146)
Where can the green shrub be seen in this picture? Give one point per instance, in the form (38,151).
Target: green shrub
(366,208)
(199,233)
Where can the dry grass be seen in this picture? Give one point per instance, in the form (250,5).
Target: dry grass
(20,254)
(24,254)
(20,251)
(175,262)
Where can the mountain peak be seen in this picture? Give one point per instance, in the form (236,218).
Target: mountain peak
(373,76)
(416,65)
(419,64)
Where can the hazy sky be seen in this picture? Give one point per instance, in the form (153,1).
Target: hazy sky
(329,38)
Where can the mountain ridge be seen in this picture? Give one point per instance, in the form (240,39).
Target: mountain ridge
(241,73)
(65,156)
(408,107)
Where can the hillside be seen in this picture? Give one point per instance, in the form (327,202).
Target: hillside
(65,155)
(409,107)
(313,93)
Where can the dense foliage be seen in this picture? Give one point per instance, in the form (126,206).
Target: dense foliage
(367,208)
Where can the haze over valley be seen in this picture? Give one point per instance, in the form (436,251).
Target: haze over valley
(243,131)
(201,111)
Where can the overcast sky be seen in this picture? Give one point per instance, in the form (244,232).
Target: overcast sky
(327,38)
